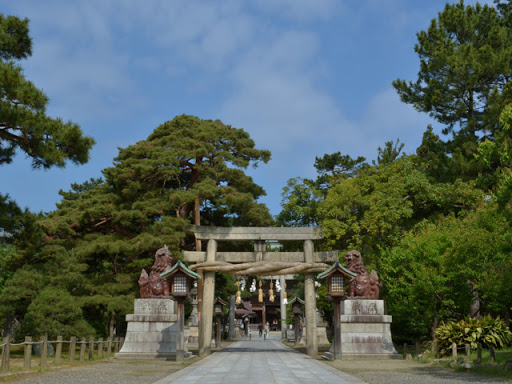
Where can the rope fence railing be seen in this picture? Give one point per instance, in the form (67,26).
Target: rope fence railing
(101,347)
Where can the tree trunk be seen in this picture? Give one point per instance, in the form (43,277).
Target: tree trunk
(197,219)
(11,326)
(111,326)
(435,322)
(474,307)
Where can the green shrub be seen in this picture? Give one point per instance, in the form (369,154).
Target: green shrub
(486,331)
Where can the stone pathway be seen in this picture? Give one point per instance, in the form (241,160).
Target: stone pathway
(258,361)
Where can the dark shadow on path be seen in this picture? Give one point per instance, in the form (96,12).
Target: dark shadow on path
(257,347)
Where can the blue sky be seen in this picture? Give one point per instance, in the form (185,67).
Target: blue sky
(303,77)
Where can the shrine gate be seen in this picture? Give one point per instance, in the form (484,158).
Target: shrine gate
(258,263)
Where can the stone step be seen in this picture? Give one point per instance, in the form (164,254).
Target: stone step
(328,356)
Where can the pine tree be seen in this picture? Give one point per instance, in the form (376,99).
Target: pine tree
(23,120)
(106,230)
(463,81)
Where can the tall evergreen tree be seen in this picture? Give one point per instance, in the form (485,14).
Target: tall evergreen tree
(24,124)
(301,197)
(23,120)
(112,227)
(463,81)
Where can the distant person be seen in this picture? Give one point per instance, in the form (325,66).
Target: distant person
(267,330)
(260,329)
(249,331)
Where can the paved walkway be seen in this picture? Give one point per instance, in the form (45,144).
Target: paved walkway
(258,361)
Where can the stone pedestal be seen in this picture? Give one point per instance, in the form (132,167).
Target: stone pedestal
(193,336)
(321,331)
(151,331)
(366,331)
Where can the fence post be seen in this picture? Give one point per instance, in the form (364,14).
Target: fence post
(100,348)
(468,351)
(5,354)
(405,349)
(72,348)
(116,345)
(454,350)
(121,342)
(83,341)
(27,361)
(44,351)
(58,350)
(109,347)
(479,352)
(491,353)
(91,348)
(418,348)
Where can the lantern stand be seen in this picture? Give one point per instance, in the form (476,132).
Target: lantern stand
(337,290)
(296,304)
(180,277)
(218,306)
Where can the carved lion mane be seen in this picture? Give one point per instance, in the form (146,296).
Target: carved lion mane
(364,285)
(153,285)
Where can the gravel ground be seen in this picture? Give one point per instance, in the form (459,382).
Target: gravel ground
(106,372)
(406,371)
(149,371)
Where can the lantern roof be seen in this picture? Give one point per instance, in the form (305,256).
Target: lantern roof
(296,298)
(220,301)
(180,266)
(336,267)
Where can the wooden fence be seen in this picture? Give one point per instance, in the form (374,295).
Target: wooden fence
(103,348)
(466,348)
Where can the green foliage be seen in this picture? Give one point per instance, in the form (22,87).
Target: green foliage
(25,126)
(332,167)
(23,121)
(54,312)
(486,331)
(463,78)
(301,198)
(300,201)
(374,210)
(497,154)
(389,153)
(106,230)
(5,253)
(464,62)
(323,303)
(188,159)
(10,215)
(432,274)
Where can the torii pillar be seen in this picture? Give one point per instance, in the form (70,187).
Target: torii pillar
(205,328)
(259,235)
(310,302)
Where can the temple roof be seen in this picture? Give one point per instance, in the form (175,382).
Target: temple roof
(180,266)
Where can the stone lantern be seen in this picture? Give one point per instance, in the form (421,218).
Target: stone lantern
(218,310)
(297,305)
(180,279)
(338,277)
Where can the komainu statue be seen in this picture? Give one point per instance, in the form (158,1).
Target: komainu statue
(364,285)
(153,285)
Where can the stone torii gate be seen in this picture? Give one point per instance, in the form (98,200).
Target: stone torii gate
(260,263)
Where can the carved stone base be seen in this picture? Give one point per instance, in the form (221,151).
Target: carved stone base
(321,334)
(193,336)
(151,331)
(366,331)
